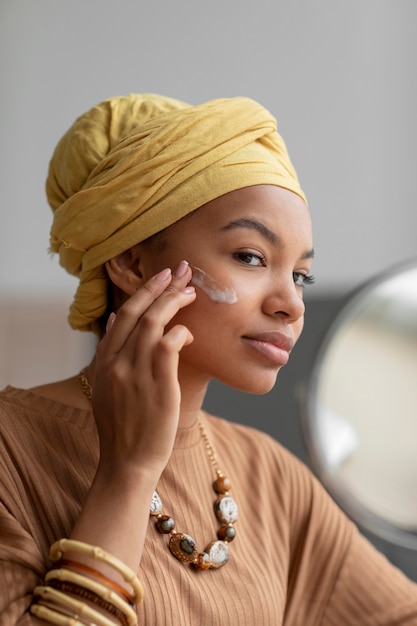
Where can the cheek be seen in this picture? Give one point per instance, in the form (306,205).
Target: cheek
(212,324)
(203,315)
(207,284)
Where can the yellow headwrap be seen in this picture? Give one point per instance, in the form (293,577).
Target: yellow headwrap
(133,165)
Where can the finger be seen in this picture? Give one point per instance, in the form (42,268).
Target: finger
(151,328)
(110,321)
(166,355)
(134,308)
(137,335)
(128,314)
(181,277)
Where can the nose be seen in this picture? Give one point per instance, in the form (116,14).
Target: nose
(286,300)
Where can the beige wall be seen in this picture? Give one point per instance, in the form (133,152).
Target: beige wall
(37,344)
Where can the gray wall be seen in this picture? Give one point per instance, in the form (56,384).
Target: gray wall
(339,76)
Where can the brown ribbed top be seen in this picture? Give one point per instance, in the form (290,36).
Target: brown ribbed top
(296,559)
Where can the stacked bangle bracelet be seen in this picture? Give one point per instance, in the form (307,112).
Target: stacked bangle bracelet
(71,598)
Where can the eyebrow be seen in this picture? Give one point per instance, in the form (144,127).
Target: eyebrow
(263,230)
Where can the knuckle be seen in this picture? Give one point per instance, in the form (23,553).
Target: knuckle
(150,288)
(126,311)
(165,342)
(117,374)
(165,345)
(173,338)
(171,289)
(148,322)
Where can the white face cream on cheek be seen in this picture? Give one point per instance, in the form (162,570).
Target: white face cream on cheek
(207,284)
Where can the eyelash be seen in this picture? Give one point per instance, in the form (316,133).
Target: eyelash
(306,279)
(242,255)
(300,279)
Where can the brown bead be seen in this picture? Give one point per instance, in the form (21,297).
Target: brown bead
(222,485)
(165,524)
(226,533)
(202,562)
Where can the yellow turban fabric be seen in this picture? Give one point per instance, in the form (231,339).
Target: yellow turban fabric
(134,165)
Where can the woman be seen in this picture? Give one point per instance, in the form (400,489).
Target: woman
(191,237)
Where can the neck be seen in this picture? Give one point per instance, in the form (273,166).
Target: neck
(193,391)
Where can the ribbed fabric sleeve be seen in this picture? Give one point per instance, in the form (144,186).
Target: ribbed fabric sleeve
(296,561)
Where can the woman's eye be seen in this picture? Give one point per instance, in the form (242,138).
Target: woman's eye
(301,279)
(249,258)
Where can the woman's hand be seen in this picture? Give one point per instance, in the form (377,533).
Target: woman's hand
(136,393)
(136,404)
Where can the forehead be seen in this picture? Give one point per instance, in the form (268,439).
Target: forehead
(275,207)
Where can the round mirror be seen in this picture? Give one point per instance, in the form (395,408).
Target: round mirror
(360,419)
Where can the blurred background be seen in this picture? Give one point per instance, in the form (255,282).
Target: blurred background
(340,77)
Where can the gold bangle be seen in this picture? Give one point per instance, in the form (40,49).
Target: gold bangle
(53,617)
(64,545)
(63,611)
(79,608)
(103,592)
(76,566)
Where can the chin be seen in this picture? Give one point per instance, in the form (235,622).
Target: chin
(256,385)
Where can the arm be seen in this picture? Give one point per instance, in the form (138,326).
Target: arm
(136,407)
(136,403)
(370,590)
(336,576)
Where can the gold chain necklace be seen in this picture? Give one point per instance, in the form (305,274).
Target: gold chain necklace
(181,545)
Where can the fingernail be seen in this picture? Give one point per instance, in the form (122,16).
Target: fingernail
(110,321)
(189,289)
(164,275)
(181,269)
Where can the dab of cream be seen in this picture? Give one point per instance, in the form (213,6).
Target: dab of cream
(209,286)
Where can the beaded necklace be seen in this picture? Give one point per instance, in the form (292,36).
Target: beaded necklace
(181,545)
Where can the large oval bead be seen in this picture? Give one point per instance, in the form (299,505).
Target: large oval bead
(226,509)
(217,554)
(183,548)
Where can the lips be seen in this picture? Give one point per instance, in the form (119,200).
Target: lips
(276,346)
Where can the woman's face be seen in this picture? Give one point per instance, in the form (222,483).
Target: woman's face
(257,243)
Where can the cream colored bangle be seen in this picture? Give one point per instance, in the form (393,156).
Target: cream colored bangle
(79,608)
(97,553)
(53,617)
(68,575)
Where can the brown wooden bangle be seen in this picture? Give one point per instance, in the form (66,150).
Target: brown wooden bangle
(90,570)
(91,585)
(94,598)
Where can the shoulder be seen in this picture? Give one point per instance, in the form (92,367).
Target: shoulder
(254,448)
(21,409)
(277,475)
(34,428)
(223,429)
(283,479)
